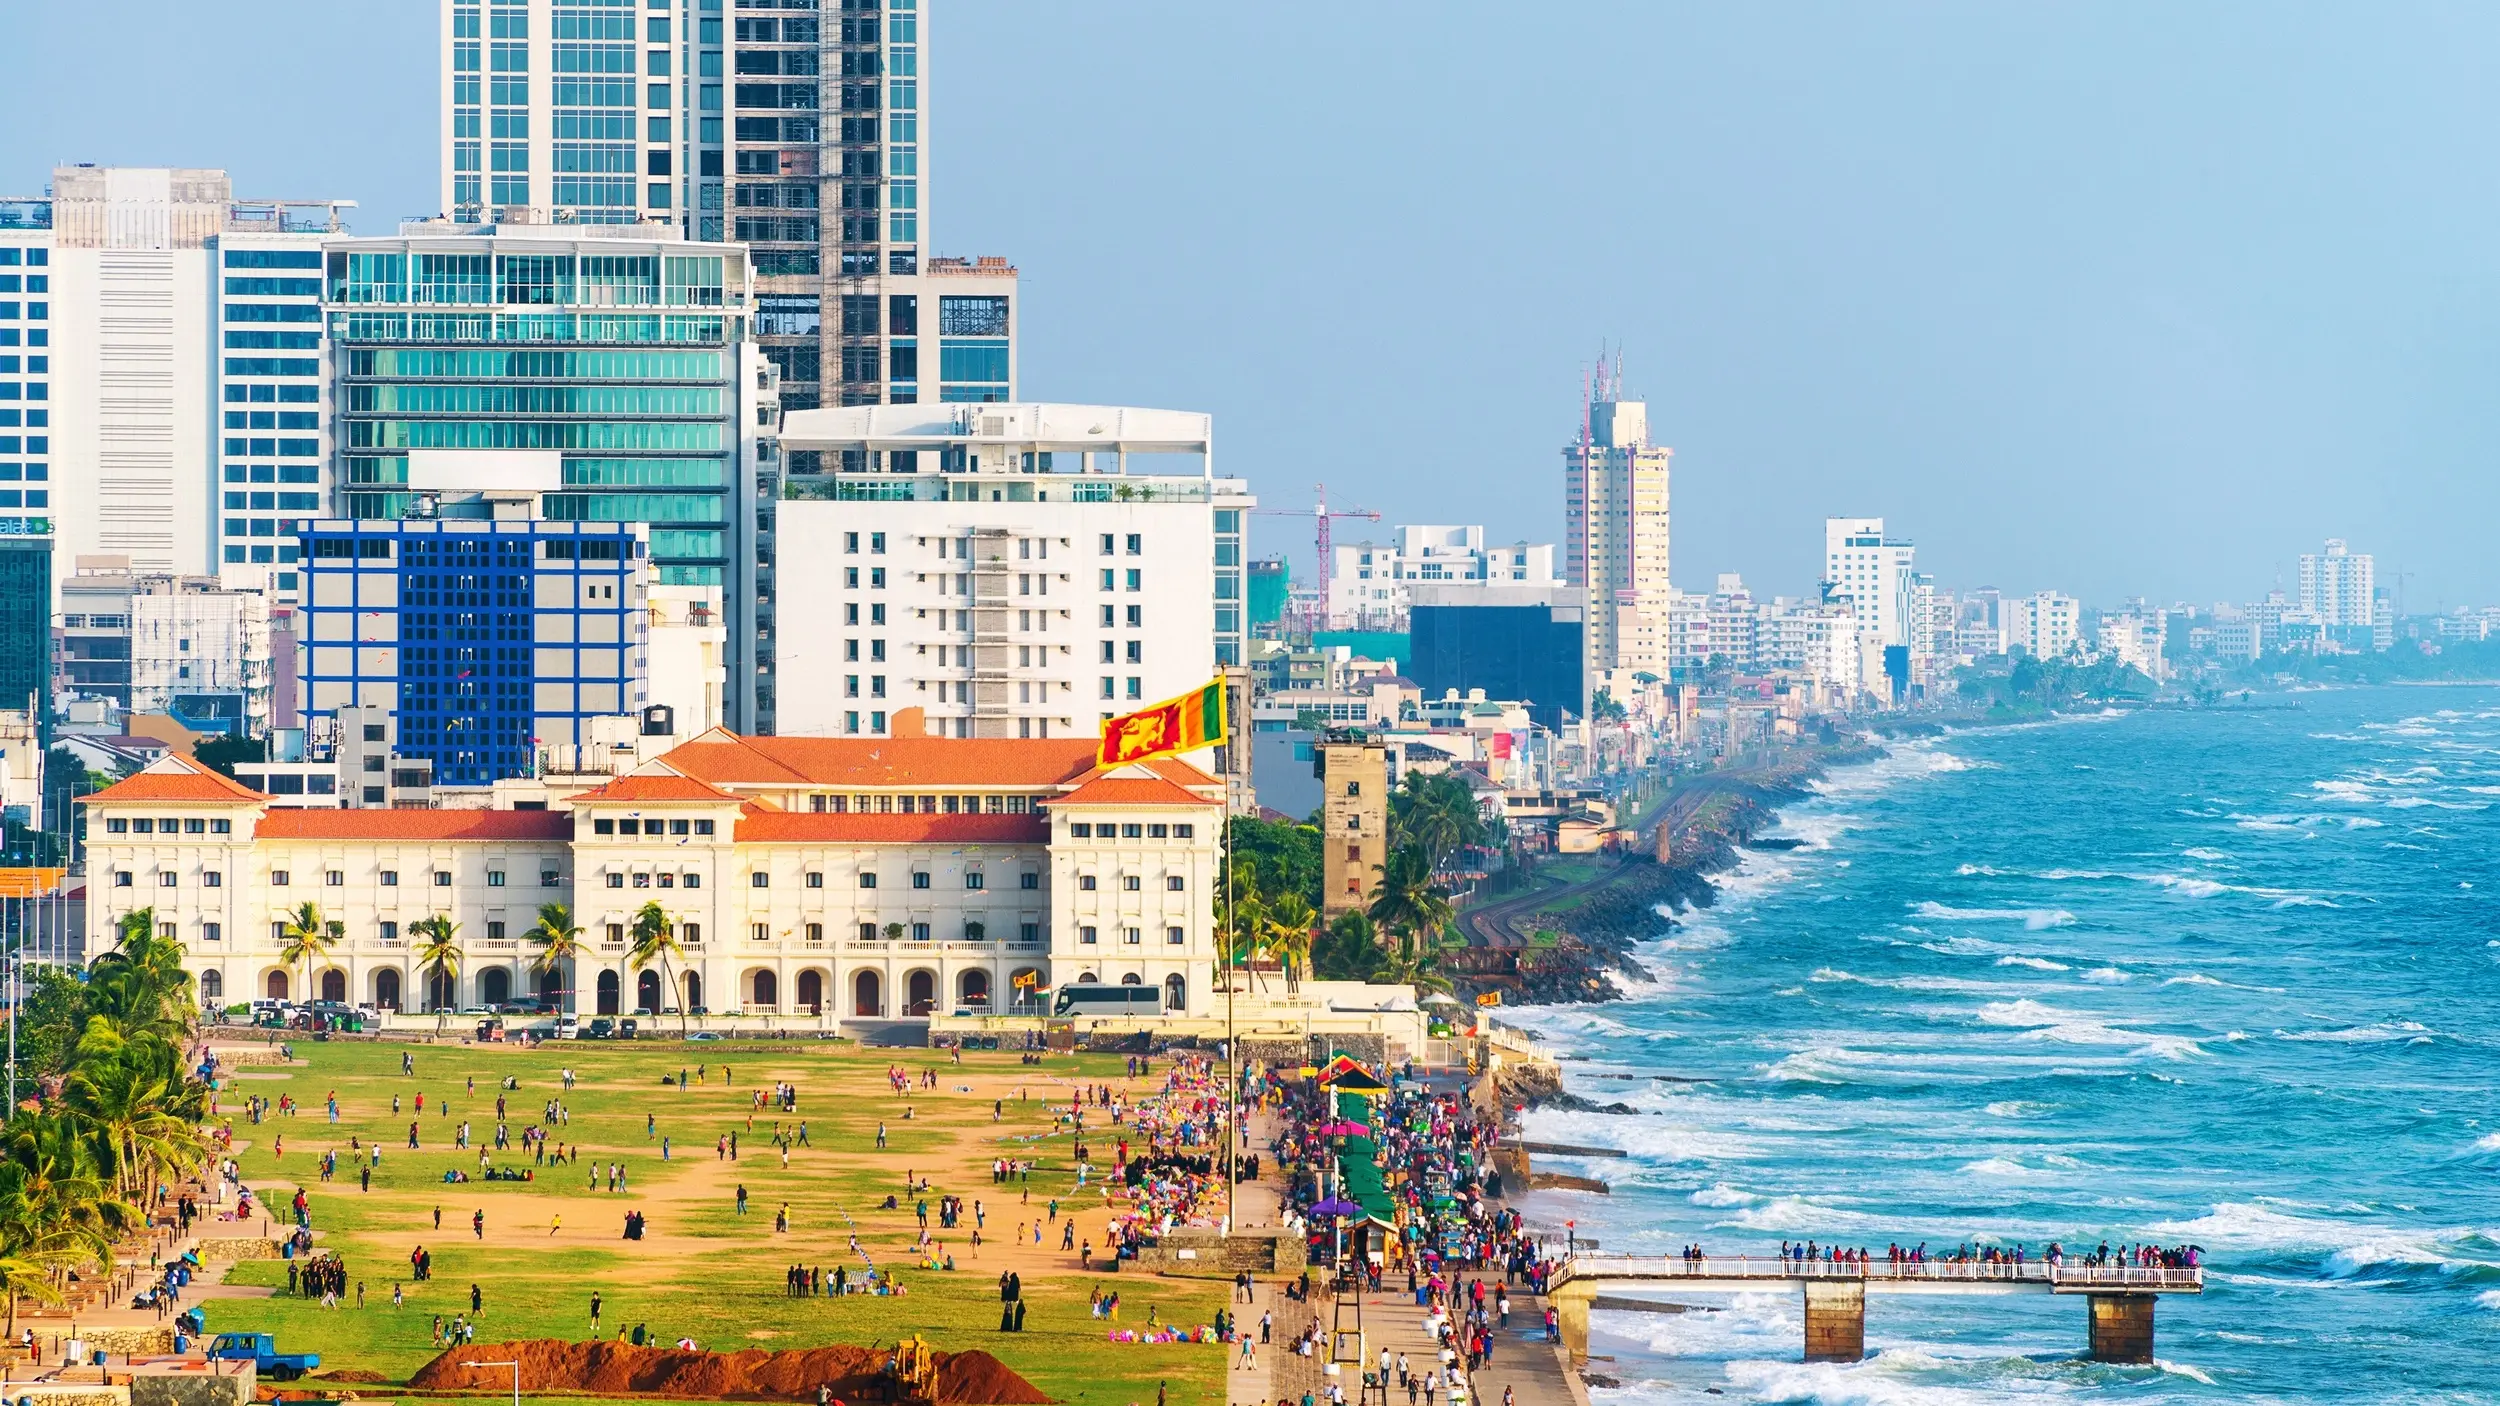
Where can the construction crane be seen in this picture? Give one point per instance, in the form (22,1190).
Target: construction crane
(1321,518)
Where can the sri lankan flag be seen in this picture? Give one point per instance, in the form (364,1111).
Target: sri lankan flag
(1183,724)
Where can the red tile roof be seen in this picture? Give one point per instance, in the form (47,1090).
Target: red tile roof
(948,763)
(940,763)
(1132,791)
(172,778)
(760,826)
(656,786)
(290,824)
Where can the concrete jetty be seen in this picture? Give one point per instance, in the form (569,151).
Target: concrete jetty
(2119,1299)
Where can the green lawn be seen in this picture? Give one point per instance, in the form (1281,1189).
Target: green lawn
(704,1271)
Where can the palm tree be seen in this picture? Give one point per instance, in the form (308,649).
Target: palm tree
(1289,921)
(302,936)
(559,946)
(56,1213)
(1438,814)
(1247,933)
(139,992)
(1348,950)
(130,1106)
(1408,903)
(438,957)
(654,939)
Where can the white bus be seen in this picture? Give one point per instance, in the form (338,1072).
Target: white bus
(1090,1002)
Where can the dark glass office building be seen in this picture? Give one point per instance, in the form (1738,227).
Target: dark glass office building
(1515,653)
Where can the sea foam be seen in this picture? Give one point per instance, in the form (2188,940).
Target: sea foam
(2035,919)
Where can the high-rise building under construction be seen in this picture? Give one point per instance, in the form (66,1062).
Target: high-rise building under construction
(1615,542)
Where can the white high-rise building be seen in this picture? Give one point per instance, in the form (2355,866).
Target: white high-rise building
(1615,512)
(1873,573)
(2044,625)
(1003,569)
(119,346)
(2338,586)
(1369,582)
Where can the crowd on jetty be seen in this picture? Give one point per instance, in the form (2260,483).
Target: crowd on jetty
(1982,1260)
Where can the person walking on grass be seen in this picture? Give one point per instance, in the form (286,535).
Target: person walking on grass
(594,1313)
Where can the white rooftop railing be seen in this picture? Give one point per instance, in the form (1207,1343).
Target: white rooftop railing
(1773,1267)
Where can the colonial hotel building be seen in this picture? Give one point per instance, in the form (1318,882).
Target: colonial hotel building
(806,877)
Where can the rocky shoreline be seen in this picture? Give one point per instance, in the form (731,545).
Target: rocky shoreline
(1595,937)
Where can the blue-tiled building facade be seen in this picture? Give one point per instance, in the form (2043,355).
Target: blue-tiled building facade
(487,637)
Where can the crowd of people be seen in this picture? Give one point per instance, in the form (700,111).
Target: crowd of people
(1441,1229)
(1165,1150)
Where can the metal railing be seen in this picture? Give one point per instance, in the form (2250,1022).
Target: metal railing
(1773,1267)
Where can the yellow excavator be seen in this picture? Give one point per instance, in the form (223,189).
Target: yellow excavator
(912,1370)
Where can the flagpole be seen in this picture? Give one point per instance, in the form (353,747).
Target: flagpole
(1232,1041)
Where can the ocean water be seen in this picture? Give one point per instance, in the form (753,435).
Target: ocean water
(2223,978)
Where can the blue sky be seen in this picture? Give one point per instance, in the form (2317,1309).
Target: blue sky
(2115,299)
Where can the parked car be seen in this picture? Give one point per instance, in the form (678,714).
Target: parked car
(704,1035)
(627,1028)
(568,1027)
(599,1028)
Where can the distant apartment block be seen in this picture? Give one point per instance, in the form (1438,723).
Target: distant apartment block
(155,642)
(2045,626)
(1370,585)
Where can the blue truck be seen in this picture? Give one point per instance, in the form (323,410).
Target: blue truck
(261,1351)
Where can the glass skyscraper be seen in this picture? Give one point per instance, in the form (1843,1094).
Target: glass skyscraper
(606,374)
(794,127)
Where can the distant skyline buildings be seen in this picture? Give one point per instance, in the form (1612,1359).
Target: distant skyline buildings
(2249,442)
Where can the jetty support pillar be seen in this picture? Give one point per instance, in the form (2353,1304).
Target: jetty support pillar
(1836,1320)
(2121,1327)
(1571,1314)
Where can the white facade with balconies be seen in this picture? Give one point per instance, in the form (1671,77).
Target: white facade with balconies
(1013,571)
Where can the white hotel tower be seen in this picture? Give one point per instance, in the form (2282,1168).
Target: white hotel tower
(1010,570)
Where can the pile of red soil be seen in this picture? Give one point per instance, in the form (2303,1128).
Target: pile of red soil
(977,1376)
(754,1374)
